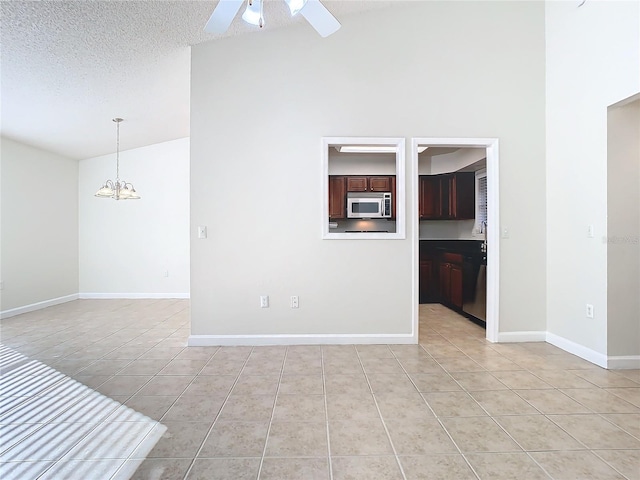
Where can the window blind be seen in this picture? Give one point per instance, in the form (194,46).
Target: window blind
(481,214)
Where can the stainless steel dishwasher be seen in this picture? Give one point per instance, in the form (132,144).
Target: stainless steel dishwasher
(476,303)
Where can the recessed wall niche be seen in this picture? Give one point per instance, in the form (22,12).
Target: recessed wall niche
(363,185)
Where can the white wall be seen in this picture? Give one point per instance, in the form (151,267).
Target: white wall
(420,69)
(126,246)
(39,226)
(623,230)
(592,62)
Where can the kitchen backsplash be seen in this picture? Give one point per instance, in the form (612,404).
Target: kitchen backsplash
(354,224)
(449,230)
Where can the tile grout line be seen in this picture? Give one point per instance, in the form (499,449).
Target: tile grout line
(384,425)
(501,427)
(273,412)
(104,421)
(179,331)
(610,465)
(434,413)
(490,416)
(326,413)
(216,418)
(496,422)
(172,404)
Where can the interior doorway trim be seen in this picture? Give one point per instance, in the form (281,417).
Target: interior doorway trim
(493,221)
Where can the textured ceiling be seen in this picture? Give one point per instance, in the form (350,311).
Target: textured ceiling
(69,67)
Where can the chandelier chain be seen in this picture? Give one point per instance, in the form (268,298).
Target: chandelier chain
(117,150)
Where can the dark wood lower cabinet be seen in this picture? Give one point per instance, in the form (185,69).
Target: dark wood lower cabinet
(441,281)
(445,282)
(427,284)
(455,287)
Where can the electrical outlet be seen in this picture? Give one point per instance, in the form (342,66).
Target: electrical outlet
(294,302)
(264,301)
(589,310)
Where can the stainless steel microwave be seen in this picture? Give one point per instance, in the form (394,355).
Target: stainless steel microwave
(368,205)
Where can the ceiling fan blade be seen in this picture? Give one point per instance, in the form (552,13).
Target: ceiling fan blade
(222,16)
(320,18)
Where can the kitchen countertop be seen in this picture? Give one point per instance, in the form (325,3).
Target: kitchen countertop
(470,249)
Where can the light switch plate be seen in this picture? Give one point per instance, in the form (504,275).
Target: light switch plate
(264,301)
(202,231)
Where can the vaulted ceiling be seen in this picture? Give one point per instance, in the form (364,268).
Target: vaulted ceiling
(69,67)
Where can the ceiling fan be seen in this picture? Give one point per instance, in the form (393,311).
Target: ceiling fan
(312,10)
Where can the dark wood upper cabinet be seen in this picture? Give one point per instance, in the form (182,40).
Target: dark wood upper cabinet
(429,200)
(463,196)
(447,197)
(339,185)
(379,184)
(369,184)
(357,184)
(337,197)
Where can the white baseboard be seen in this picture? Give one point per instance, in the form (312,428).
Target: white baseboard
(259,340)
(12,312)
(115,296)
(623,362)
(581,351)
(514,337)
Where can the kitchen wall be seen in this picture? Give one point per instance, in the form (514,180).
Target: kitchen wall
(419,69)
(623,230)
(449,162)
(128,246)
(39,228)
(592,62)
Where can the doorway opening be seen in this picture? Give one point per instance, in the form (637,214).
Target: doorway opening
(486,229)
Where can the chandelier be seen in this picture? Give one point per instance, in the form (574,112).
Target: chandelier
(118,189)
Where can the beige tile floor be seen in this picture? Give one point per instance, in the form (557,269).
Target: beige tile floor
(453,407)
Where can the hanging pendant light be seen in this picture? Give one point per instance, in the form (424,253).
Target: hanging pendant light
(118,189)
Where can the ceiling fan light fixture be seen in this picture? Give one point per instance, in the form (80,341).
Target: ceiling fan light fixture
(253,13)
(295,6)
(312,10)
